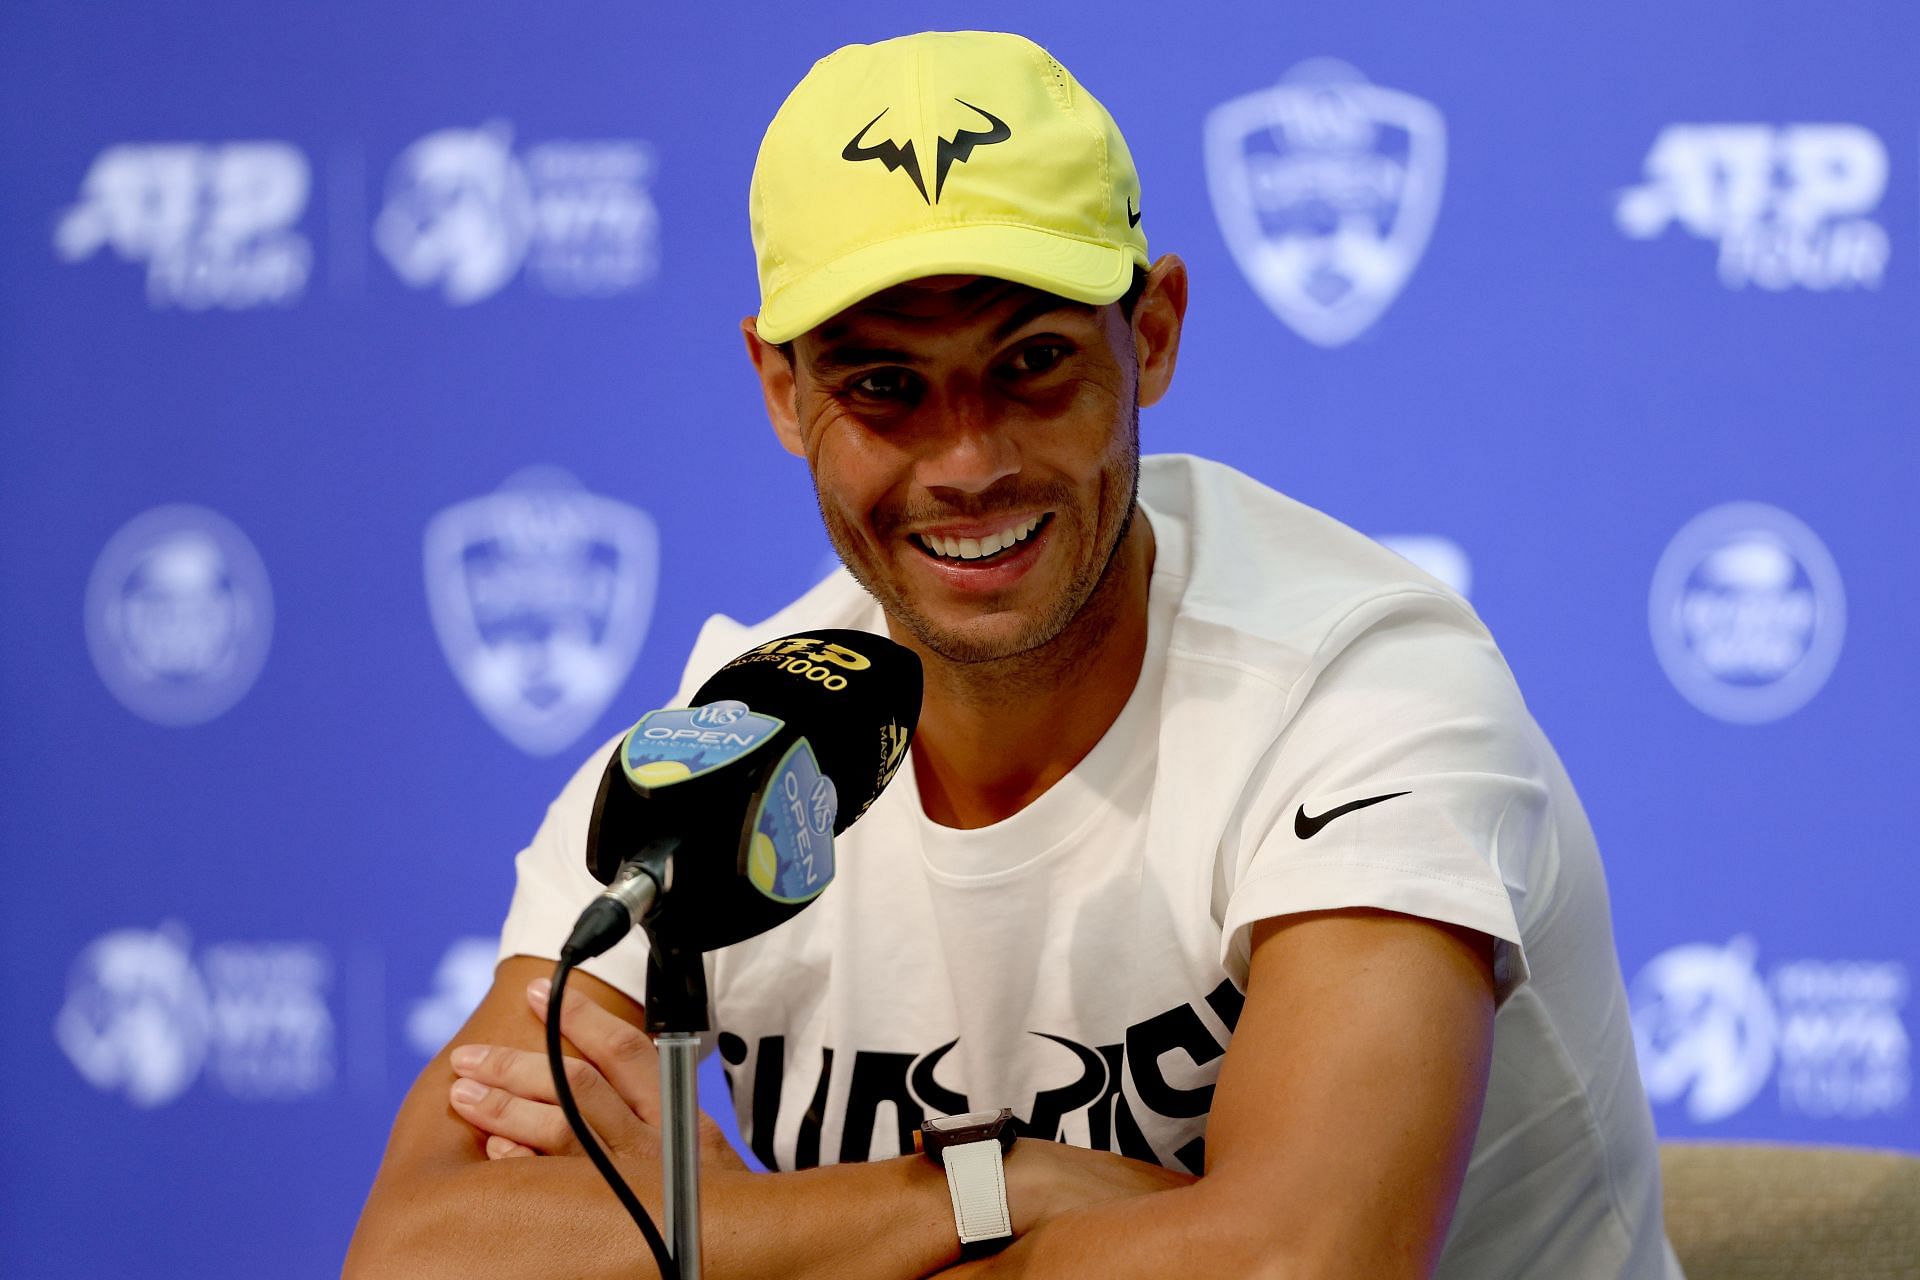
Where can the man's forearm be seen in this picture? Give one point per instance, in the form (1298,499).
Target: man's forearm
(553,1216)
(1177,1231)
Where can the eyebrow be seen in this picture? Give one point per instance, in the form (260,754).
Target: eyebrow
(851,355)
(848,356)
(1044,304)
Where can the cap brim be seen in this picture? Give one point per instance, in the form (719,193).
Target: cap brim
(1082,270)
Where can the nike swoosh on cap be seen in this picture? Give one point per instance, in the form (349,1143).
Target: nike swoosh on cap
(1307,828)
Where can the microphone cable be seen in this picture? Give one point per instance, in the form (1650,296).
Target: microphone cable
(669,1268)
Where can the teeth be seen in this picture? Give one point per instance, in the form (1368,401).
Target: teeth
(978,548)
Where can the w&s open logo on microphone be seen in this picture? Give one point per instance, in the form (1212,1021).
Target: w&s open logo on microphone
(541,594)
(1326,188)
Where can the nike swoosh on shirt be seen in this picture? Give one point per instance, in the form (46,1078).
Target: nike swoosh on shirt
(1307,828)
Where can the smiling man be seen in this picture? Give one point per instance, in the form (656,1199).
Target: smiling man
(1230,914)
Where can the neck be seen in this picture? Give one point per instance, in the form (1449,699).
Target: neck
(994,736)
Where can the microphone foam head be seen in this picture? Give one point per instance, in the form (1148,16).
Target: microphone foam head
(854,695)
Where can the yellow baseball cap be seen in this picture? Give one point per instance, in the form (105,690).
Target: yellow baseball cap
(942,153)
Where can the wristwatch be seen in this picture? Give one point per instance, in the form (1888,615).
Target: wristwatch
(971,1149)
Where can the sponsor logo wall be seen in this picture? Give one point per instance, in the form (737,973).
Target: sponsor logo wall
(179,614)
(1830,1036)
(1326,188)
(1789,206)
(377,438)
(541,594)
(216,224)
(466,210)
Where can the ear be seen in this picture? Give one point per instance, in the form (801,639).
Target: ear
(1157,318)
(776,386)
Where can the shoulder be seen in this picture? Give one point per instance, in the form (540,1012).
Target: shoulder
(1278,590)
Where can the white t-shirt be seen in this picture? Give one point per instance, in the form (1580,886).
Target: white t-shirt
(1083,962)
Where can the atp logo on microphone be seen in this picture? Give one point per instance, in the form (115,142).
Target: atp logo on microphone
(541,595)
(809,658)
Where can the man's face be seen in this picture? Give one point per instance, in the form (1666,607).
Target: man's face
(974,447)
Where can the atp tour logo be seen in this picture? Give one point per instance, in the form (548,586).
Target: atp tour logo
(1326,188)
(1787,205)
(1747,613)
(465,212)
(143,1019)
(215,223)
(179,615)
(1710,1032)
(541,594)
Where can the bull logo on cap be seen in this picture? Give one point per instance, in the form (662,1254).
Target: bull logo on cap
(1326,188)
(900,155)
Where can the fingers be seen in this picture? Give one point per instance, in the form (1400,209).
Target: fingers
(536,1126)
(509,1093)
(619,1049)
(499,1148)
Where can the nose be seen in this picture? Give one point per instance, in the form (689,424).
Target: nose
(968,447)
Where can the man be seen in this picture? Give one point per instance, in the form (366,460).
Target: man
(1227,852)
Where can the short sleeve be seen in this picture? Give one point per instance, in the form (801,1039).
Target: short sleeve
(1409,778)
(552,886)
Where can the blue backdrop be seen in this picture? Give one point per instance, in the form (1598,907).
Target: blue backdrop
(371,385)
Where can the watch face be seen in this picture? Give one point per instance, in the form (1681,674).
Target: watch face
(971,1120)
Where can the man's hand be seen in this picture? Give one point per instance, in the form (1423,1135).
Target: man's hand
(508,1093)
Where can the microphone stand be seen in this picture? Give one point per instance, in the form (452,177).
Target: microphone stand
(676,1017)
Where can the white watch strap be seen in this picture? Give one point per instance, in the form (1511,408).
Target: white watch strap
(977,1180)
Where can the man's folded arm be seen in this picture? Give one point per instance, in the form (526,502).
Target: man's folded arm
(1342,1121)
(440,1207)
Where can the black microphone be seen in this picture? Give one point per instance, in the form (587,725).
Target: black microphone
(715,822)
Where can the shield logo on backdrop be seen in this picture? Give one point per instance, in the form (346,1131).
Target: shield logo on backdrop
(541,594)
(1326,188)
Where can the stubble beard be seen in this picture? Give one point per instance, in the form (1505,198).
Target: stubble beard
(1079,602)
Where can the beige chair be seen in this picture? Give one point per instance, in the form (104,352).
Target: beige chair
(1750,1211)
